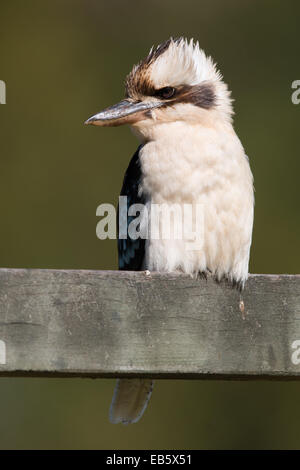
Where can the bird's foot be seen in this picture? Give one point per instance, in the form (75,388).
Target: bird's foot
(203,274)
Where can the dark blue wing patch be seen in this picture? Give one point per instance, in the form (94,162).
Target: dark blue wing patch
(131,252)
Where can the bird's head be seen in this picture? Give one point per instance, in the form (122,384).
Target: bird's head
(175,82)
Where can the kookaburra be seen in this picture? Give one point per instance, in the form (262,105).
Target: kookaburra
(180,109)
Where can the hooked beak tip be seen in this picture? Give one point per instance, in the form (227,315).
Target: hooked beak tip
(88,121)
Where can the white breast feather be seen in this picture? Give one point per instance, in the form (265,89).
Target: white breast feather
(205,166)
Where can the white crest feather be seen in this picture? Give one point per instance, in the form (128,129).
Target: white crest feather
(183,62)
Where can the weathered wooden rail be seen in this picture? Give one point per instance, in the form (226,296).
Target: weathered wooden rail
(116,324)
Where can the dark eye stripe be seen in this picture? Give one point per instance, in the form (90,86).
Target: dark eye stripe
(202,95)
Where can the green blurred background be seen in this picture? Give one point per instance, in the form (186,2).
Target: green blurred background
(64,60)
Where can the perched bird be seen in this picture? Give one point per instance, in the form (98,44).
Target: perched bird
(181,110)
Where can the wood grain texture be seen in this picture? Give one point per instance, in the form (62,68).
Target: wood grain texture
(130,324)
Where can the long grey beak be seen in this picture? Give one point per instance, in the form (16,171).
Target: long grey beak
(125,112)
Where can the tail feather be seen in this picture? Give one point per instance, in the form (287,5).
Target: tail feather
(130,399)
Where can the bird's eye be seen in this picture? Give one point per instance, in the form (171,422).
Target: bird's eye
(166,93)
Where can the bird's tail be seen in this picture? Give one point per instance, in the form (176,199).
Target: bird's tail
(130,399)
